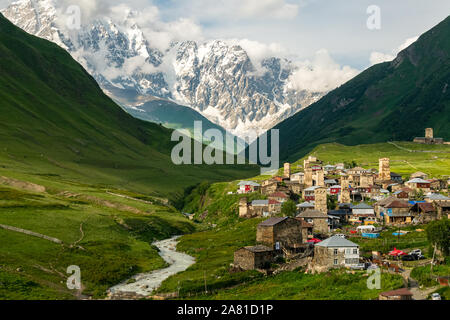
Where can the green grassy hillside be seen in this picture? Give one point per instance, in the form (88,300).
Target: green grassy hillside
(76,167)
(389,101)
(106,235)
(56,120)
(406,157)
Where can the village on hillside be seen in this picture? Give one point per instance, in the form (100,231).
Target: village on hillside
(312,216)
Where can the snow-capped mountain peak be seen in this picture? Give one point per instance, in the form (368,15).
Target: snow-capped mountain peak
(217,78)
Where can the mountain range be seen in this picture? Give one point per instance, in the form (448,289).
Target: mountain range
(216,78)
(56,120)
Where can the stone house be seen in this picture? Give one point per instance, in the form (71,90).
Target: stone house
(298,177)
(424,212)
(279,196)
(318,219)
(437,184)
(270,186)
(419,184)
(309,194)
(379,206)
(398,212)
(336,252)
(278,233)
(274,207)
(419,175)
(256,257)
(401,194)
(443,209)
(305,206)
(294,187)
(400,294)
(260,208)
(257,208)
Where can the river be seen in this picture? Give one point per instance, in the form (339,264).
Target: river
(145,283)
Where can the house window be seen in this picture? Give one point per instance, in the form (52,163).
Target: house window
(335,252)
(348,251)
(355,251)
(335,262)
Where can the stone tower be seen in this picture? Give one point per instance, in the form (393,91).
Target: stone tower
(243,208)
(345,181)
(321,200)
(384,170)
(344,197)
(287,171)
(429,134)
(320,178)
(308,177)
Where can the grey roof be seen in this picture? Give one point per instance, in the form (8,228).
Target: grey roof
(272,221)
(337,242)
(306,205)
(312,214)
(260,202)
(330,181)
(437,196)
(362,206)
(312,188)
(418,180)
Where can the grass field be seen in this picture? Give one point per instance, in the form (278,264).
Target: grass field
(107,236)
(214,252)
(334,285)
(431,159)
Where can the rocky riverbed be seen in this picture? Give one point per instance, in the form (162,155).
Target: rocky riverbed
(143,285)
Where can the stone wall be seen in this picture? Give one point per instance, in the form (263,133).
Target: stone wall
(248,260)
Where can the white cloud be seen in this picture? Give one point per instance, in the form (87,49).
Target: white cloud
(379,57)
(278,9)
(322,74)
(238,10)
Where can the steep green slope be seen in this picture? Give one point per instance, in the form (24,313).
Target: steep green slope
(390,101)
(56,120)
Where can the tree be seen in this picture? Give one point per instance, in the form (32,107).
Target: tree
(438,233)
(289,209)
(418,195)
(332,202)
